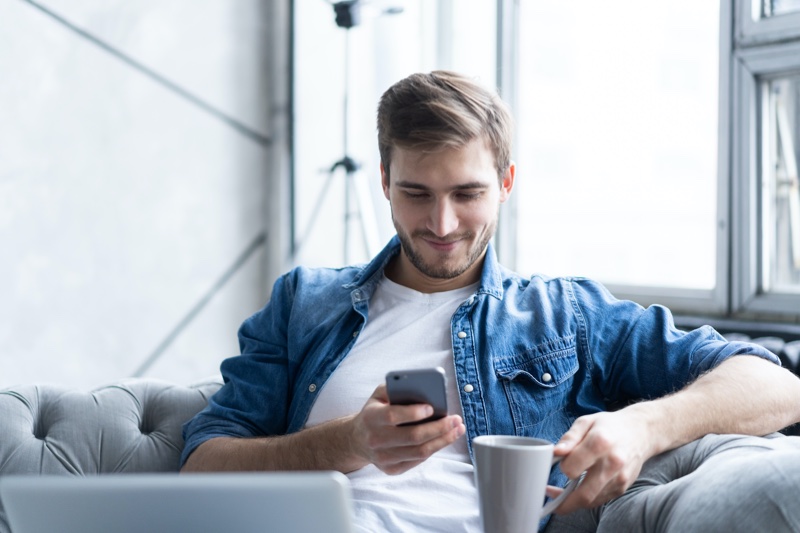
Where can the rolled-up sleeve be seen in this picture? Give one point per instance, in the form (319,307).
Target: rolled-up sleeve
(638,353)
(254,398)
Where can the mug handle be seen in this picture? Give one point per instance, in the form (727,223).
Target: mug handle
(571,485)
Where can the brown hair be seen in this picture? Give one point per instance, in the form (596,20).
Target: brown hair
(442,109)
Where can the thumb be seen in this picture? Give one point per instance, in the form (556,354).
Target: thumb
(380,394)
(553,492)
(571,438)
(563,447)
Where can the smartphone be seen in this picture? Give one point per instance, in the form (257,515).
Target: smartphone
(422,385)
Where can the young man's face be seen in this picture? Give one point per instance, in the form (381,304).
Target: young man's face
(444,207)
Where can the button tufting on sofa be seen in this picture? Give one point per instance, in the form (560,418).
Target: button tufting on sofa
(131,426)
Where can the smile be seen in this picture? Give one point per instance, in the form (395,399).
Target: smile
(442,246)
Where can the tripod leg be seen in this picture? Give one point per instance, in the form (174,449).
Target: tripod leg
(317,207)
(369,231)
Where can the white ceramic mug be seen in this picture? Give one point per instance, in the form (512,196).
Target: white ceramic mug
(511,474)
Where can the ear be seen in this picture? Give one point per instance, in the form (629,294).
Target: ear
(508,182)
(384,181)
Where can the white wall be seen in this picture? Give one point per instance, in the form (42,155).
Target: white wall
(133,173)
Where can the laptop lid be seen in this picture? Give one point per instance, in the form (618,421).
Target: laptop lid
(202,503)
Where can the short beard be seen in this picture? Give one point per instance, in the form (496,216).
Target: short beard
(442,271)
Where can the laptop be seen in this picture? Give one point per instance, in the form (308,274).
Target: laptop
(284,502)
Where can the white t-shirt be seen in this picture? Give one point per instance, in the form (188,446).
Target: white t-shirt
(406,329)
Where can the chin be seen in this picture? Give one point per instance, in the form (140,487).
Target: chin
(447,269)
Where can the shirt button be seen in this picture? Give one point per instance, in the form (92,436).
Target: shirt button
(546,377)
(468,388)
(312,388)
(462,335)
(355,334)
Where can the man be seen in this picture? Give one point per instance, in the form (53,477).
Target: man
(541,357)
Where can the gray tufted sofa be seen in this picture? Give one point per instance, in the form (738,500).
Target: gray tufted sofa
(130,426)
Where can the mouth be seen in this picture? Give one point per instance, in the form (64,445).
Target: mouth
(442,246)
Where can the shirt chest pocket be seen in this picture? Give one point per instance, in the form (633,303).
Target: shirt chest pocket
(538,384)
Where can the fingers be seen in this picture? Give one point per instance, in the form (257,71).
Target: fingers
(394,447)
(603,446)
(573,437)
(595,489)
(592,444)
(395,459)
(382,413)
(398,415)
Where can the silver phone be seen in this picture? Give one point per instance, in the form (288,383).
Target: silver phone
(422,385)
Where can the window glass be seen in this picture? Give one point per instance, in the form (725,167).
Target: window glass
(773,8)
(617,151)
(781,198)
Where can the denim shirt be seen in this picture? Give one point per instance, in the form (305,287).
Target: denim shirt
(530,355)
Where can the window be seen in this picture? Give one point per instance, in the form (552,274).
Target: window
(617,153)
(767,125)
(781,199)
(664,148)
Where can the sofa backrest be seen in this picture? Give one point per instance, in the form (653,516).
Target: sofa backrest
(130,426)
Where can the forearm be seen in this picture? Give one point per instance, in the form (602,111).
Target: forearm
(328,446)
(744,395)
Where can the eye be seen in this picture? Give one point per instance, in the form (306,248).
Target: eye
(470,195)
(415,195)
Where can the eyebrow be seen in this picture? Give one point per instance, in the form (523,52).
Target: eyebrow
(461,187)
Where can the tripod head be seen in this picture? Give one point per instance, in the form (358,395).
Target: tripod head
(347,163)
(348,13)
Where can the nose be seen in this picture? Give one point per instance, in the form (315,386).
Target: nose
(443,219)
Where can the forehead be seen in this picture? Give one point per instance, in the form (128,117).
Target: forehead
(473,162)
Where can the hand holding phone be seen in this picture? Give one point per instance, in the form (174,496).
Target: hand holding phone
(423,385)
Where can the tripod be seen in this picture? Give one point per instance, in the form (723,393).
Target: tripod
(357,201)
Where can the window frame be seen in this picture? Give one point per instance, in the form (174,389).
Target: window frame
(763,30)
(754,66)
(507,35)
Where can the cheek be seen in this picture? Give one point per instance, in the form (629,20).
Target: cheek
(483,215)
(404,212)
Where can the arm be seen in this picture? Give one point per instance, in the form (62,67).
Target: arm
(744,394)
(345,444)
(248,425)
